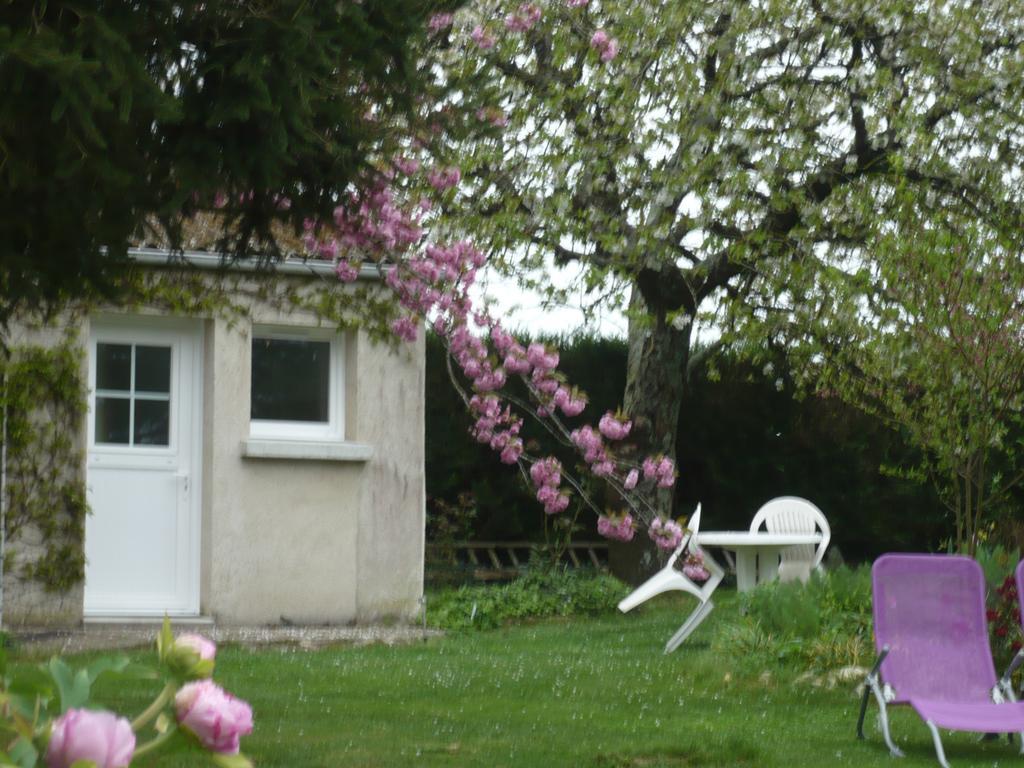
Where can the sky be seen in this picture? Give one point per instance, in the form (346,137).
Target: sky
(524,310)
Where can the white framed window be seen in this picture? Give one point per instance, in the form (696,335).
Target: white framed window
(297,390)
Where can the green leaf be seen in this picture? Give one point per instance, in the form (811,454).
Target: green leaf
(72,686)
(112,664)
(24,753)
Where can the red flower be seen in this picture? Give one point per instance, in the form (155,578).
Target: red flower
(991,615)
(1001,631)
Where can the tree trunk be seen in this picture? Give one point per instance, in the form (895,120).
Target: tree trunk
(655,384)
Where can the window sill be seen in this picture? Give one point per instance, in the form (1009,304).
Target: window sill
(308,450)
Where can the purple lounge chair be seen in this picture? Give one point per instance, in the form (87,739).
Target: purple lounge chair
(934,653)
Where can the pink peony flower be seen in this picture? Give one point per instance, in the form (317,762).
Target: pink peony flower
(599,39)
(102,738)
(206,649)
(215,717)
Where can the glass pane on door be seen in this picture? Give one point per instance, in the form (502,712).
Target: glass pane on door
(133,394)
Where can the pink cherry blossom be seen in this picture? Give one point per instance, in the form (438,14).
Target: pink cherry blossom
(440,21)
(589,442)
(405,328)
(443,178)
(482,38)
(510,453)
(693,567)
(661,469)
(523,19)
(493,116)
(612,428)
(541,358)
(557,504)
(606,46)
(407,165)
(667,534)
(346,271)
(546,472)
(620,529)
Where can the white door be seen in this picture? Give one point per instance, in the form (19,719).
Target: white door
(142,538)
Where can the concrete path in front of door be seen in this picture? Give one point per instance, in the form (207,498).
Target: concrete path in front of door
(108,636)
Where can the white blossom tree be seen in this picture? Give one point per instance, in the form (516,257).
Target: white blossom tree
(703,161)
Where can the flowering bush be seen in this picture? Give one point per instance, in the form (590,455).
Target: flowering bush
(49,719)
(1004,622)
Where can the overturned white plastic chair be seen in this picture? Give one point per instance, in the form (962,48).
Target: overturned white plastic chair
(791,514)
(669,578)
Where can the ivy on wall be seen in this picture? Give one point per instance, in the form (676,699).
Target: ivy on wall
(45,405)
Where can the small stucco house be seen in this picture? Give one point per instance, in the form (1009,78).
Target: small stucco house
(252,469)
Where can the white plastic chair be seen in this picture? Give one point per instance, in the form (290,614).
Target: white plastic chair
(668,578)
(791,514)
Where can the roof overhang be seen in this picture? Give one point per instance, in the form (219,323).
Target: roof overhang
(161,257)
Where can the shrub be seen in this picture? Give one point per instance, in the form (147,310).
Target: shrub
(538,594)
(822,625)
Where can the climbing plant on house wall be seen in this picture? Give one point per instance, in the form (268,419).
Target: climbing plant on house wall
(44,401)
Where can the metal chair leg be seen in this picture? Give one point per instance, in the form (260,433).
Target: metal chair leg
(938,744)
(863,711)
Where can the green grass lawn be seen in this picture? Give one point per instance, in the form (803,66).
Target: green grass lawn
(586,692)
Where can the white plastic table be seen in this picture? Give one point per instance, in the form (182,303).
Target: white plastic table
(757,552)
